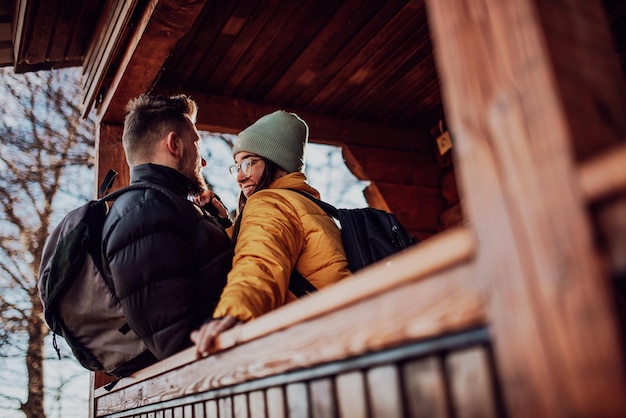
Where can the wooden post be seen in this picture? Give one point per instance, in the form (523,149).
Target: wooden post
(520,78)
(110,154)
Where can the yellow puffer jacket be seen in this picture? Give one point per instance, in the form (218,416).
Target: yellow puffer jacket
(280,230)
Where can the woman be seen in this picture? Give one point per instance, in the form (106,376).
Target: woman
(276,230)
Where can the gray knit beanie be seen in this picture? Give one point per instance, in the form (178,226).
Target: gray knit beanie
(280,137)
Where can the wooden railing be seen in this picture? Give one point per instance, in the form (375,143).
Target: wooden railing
(604,175)
(413,296)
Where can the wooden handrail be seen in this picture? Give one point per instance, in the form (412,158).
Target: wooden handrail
(604,175)
(445,250)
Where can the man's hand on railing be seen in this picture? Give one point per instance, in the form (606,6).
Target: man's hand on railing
(204,338)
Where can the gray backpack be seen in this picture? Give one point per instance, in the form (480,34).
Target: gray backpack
(79,301)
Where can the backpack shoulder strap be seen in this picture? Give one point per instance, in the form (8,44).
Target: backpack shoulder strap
(175,199)
(109,180)
(326,207)
(298,284)
(107,183)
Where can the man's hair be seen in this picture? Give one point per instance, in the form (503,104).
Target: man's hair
(150,118)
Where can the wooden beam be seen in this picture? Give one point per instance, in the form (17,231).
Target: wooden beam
(587,72)
(418,208)
(226,115)
(21,23)
(109,34)
(393,166)
(553,321)
(604,175)
(443,252)
(110,155)
(160,27)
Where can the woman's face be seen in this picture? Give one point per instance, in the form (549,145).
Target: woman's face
(248,170)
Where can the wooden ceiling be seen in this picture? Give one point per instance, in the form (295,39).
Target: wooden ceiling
(368,61)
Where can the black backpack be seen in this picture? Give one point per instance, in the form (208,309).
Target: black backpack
(79,301)
(368,235)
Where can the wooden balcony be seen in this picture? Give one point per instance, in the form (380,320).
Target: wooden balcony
(408,337)
(512,306)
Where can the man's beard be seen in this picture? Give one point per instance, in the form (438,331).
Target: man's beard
(197,184)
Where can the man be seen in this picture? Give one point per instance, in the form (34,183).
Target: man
(167,259)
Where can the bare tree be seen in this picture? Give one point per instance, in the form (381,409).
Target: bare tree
(46,157)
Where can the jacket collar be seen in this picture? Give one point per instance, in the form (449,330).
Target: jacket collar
(161,175)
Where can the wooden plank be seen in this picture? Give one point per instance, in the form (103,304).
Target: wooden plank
(158,31)
(392,165)
(110,154)
(66,20)
(222,44)
(326,70)
(82,33)
(208,26)
(556,339)
(587,72)
(419,89)
(349,78)
(402,50)
(449,189)
(322,50)
(418,310)
(471,385)
(240,406)
(199,410)
(323,403)
(425,389)
(604,175)
(225,407)
(112,29)
(383,387)
(37,47)
(259,50)
(351,395)
(297,400)
(452,216)
(211,409)
(282,49)
(252,21)
(294,31)
(257,404)
(227,115)
(424,207)
(275,403)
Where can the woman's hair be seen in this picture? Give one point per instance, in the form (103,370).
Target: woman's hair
(267,177)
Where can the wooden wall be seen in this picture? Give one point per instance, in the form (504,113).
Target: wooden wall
(404,179)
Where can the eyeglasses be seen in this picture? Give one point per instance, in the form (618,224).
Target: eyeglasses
(245,167)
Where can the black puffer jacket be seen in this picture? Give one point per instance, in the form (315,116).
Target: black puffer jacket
(168,269)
